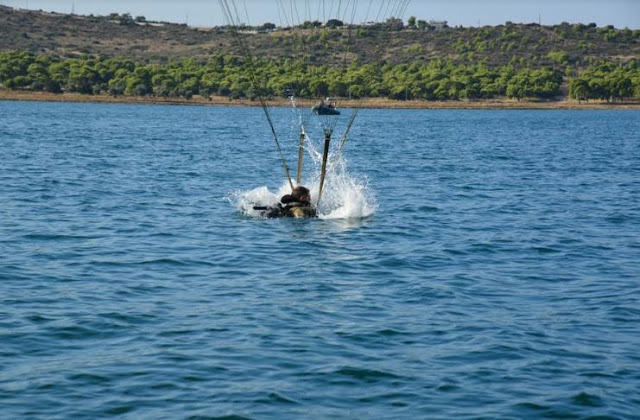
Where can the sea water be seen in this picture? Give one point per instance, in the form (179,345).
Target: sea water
(468,264)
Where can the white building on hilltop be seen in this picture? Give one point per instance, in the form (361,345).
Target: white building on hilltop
(438,24)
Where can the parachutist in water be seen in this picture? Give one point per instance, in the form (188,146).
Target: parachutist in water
(297,205)
(298,195)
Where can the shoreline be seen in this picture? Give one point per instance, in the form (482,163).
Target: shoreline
(373,103)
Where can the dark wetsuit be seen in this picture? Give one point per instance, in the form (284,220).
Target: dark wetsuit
(296,205)
(291,207)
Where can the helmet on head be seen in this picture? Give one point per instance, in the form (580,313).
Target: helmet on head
(301,194)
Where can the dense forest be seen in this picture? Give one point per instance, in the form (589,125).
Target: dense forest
(229,76)
(580,61)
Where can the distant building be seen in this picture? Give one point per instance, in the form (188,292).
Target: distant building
(438,24)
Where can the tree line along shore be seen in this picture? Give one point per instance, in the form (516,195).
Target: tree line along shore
(230,77)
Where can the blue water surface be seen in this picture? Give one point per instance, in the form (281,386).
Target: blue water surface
(499,277)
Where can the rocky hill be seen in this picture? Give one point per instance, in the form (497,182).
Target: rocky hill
(64,35)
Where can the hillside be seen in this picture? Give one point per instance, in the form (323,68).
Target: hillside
(119,55)
(64,35)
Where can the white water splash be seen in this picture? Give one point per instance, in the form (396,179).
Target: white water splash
(344,196)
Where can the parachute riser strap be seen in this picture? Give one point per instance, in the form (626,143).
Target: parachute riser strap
(300,156)
(325,157)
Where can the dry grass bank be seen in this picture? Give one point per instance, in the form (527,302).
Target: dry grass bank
(367,103)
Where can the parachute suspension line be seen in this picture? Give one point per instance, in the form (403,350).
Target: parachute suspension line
(291,11)
(295,7)
(401,8)
(246,12)
(343,17)
(353,12)
(389,6)
(345,135)
(288,15)
(307,11)
(252,71)
(380,42)
(263,103)
(366,17)
(382,3)
(281,4)
(279,15)
(351,4)
(235,8)
(354,113)
(349,31)
(406,6)
(385,5)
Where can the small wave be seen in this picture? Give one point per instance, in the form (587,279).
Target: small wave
(75,332)
(447,388)
(390,332)
(588,400)
(39,319)
(164,261)
(56,237)
(158,261)
(428,209)
(119,410)
(597,375)
(88,378)
(195,378)
(545,250)
(395,399)
(274,397)
(175,333)
(529,406)
(128,318)
(363,374)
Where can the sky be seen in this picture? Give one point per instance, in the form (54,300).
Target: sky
(206,13)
